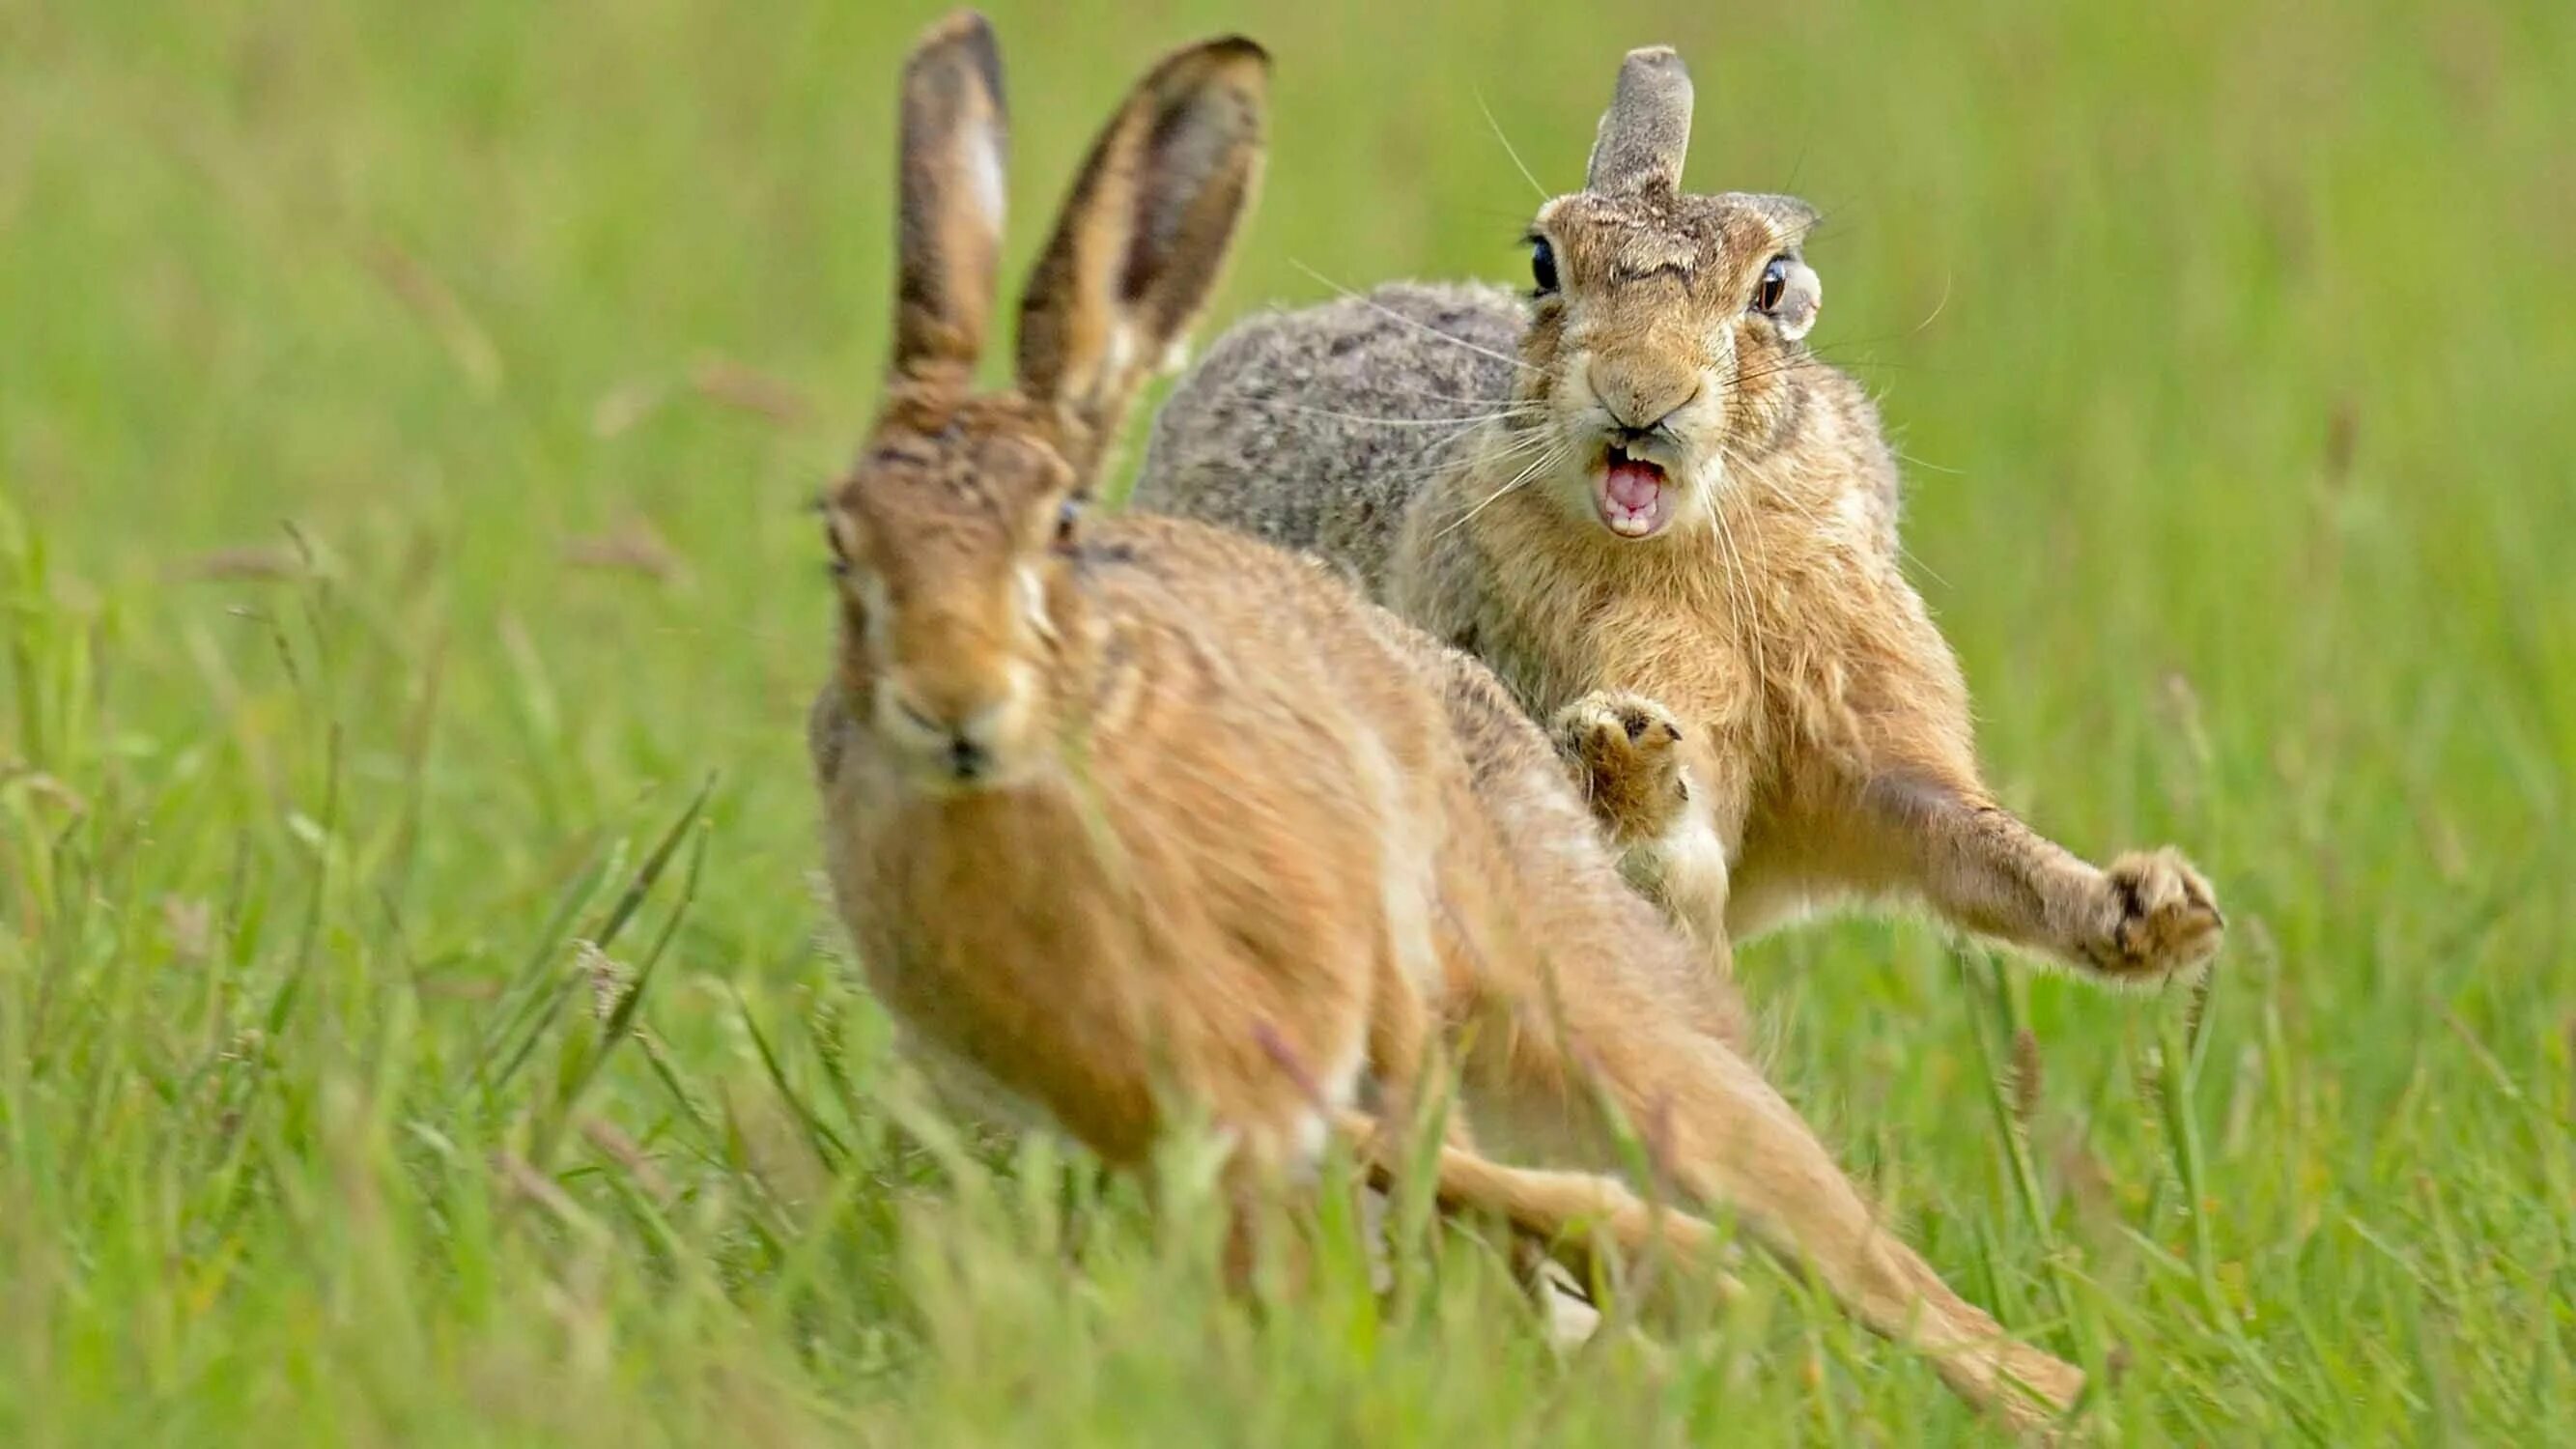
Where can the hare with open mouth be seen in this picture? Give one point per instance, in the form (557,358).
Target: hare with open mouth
(1132,819)
(1672,532)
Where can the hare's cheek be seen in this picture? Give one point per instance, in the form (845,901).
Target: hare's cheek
(1545,348)
(826,727)
(1561,385)
(869,615)
(1037,611)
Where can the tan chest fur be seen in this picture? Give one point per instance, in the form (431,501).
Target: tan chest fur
(1055,913)
(1746,628)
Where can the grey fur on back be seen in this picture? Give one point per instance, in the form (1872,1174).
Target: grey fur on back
(1314,428)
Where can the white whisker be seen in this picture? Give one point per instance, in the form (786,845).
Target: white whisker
(1938,307)
(1513,403)
(1546,460)
(1394,422)
(1497,128)
(1515,445)
(1425,328)
(1740,596)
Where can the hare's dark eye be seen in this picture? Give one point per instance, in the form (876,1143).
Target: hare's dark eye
(1774,285)
(1067,514)
(1542,265)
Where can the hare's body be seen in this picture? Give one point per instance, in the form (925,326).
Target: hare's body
(1272,888)
(1162,949)
(1149,821)
(1783,637)
(1673,533)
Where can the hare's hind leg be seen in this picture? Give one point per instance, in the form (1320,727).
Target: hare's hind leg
(1558,1220)
(1566,1211)
(1718,1130)
(1733,1142)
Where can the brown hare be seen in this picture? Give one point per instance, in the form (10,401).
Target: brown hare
(1135,820)
(1673,533)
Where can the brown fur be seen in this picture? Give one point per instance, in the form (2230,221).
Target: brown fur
(1826,742)
(1142,818)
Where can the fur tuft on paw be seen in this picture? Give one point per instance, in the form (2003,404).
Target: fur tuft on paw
(2161,919)
(1623,750)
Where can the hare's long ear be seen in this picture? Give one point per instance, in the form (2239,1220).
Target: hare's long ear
(948,235)
(1144,233)
(1646,131)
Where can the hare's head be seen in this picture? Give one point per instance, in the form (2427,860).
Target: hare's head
(1666,331)
(955,537)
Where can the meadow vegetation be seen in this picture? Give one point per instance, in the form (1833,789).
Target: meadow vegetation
(416,1021)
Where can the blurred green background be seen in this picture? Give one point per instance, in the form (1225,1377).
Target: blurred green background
(404,417)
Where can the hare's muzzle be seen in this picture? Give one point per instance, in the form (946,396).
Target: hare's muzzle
(949,739)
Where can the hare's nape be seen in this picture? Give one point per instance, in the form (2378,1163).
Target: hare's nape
(1145,231)
(948,220)
(1645,134)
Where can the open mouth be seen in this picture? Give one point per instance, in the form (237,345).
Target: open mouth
(1634,496)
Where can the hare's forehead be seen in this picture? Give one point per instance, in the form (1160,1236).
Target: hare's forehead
(956,481)
(1614,236)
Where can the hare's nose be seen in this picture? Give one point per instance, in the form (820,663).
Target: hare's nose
(960,736)
(1639,399)
(968,760)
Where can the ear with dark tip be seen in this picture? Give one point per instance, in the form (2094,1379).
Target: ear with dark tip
(1144,233)
(1646,132)
(948,236)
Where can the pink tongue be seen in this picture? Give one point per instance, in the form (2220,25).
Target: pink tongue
(1633,485)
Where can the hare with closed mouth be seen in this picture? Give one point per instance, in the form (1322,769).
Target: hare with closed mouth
(1672,531)
(1133,819)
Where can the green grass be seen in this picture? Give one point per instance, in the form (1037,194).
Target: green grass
(2232,347)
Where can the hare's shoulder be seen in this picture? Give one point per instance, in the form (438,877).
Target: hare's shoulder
(1842,443)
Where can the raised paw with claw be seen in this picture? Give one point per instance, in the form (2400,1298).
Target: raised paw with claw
(2158,919)
(1624,751)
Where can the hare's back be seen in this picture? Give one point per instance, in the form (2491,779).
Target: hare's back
(1285,624)
(1279,652)
(1312,429)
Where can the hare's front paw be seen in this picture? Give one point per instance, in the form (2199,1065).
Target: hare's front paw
(1623,750)
(2159,920)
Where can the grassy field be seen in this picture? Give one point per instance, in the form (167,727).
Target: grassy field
(404,413)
